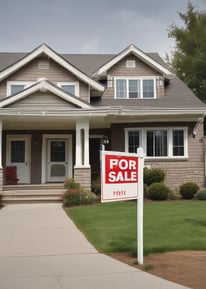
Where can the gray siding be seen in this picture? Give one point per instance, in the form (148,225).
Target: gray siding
(141,69)
(42,101)
(44,68)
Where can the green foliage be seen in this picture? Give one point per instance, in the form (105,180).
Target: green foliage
(76,195)
(145,191)
(71,184)
(96,186)
(188,190)
(201,194)
(158,191)
(189,58)
(153,176)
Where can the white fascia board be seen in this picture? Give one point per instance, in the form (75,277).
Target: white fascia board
(53,55)
(43,86)
(139,54)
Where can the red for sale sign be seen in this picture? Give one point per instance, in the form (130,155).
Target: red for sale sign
(119,176)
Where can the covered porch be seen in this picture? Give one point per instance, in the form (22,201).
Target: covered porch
(46,150)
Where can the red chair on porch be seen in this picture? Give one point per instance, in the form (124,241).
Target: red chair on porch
(11,175)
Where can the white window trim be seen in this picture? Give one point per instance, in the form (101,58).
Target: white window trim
(143,141)
(154,78)
(10,83)
(75,83)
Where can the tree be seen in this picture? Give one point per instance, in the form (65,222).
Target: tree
(189,56)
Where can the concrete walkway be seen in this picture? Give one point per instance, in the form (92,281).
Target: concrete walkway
(40,248)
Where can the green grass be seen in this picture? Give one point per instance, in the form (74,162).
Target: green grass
(168,226)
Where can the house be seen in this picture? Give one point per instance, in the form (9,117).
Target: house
(57,109)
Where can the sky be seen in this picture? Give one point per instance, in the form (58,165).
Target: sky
(90,26)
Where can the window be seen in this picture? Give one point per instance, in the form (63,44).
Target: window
(178,143)
(135,88)
(70,87)
(133,142)
(14,87)
(158,143)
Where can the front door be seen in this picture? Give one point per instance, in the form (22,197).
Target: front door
(18,154)
(57,159)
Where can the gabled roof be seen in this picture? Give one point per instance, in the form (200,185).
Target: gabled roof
(43,86)
(44,49)
(131,49)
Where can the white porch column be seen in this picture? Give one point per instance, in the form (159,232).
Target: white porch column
(82,143)
(1,168)
(1,144)
(82,170)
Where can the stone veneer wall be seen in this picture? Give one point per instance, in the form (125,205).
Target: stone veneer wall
(1,180)
(190,170)
(83,176)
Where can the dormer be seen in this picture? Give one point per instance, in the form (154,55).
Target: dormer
(133,74)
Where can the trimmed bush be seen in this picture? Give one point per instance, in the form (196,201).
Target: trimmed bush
(201,194)
(158,191)
(153,176)
(188,190)
(76,195)
(146,191)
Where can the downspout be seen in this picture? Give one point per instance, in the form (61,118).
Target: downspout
(197,125)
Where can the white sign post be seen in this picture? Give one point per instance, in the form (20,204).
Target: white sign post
(122,179)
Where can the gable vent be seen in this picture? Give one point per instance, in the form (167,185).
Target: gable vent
(130,63)
(43,64)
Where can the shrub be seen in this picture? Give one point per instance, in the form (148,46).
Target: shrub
(71,184)
(76,195)
(153,176)
(201,194)
(96,186)
(188,190)
(158,191)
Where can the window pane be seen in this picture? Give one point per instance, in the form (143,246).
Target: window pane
(57,152)
(134,88)
(178,143)
(157,143)
(15,88)
(121,88)
(18,151)
(148,88)
(133,142)
(70,88)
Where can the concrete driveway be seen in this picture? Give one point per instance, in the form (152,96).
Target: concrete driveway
(40,248)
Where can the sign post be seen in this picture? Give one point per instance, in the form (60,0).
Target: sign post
(122,179)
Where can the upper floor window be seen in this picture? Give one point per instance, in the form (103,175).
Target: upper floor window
(14,87)
(70,87)
(135,88)
(158,143)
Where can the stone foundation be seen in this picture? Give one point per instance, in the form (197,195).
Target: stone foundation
(83,176)
(1,179)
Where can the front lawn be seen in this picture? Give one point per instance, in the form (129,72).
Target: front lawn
(168,226)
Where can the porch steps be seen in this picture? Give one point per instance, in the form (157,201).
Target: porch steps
(32,194)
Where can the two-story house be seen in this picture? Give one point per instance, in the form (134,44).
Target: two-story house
(57,109)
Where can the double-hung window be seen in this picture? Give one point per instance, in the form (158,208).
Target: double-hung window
(158,143)
(14,87)
(132,87)
(70,87)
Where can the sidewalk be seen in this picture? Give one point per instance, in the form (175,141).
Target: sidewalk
(40,248)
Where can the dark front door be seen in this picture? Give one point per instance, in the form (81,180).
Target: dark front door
(94,157)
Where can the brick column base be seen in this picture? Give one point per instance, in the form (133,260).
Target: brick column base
(83,176)
(1,179)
